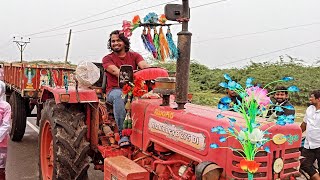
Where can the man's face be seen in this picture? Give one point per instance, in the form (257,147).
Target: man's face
(280,96)
(313,100)
(117,45)
(231,93)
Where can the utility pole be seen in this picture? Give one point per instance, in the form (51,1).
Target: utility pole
(21,45)
(68,45)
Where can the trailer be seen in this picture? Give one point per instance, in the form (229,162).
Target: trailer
(23,89)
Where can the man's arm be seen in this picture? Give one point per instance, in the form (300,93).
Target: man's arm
(143,65)
(303,126)
(114,70)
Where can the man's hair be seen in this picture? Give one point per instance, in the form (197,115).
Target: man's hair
(316,93)
(122,37)
(281,89)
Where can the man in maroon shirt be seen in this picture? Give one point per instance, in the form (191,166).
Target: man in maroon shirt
(120,55)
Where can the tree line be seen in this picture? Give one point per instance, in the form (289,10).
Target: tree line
(204,82)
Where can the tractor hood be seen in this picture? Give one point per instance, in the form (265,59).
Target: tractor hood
(188,132)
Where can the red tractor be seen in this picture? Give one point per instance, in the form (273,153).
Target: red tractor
(170,137)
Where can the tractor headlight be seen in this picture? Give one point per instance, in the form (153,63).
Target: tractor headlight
(278,165)
(208,171)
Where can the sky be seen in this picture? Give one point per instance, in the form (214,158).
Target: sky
(225,33)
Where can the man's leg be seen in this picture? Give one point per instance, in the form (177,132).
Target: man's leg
(119,111)
(307,163)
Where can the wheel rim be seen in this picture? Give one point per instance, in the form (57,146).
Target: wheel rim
(46,150)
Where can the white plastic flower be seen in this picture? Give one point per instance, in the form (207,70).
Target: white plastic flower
(256,136)
(242,135)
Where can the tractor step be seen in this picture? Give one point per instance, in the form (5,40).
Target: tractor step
(122,168)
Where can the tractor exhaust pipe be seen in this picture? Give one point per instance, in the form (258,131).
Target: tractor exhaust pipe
(183,62)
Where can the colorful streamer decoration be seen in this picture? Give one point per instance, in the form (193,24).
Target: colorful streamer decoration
(159,44)
(173,48)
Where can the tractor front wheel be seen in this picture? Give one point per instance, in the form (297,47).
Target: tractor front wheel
(62,144)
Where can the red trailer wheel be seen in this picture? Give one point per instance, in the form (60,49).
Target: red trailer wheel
(62,142)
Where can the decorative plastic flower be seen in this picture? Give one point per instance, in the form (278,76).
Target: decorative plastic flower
(151,18)
(259,95)
(162,19)
(136,22)
(127,28)
(256,136)
(137,89)
(251,138)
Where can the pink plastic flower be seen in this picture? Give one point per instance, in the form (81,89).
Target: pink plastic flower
(258,94)
(126,28)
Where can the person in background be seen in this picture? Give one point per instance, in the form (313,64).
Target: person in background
(311,124)
(5,124)
(281,98)
(120,55)
(234,100)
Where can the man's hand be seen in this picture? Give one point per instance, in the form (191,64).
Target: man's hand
(303,126)
(143,65)
(113,70)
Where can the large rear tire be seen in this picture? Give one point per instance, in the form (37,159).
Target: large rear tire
(18,116)
(62,144)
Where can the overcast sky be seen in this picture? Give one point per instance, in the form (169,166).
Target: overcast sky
(226,34)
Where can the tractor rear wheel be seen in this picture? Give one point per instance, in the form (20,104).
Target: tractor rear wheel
(62,144)
(18,116)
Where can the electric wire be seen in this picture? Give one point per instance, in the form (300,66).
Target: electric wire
(267,53)
(258,32)
(62,34)
(97,20)
(84,30)
(207,4)
(112,9)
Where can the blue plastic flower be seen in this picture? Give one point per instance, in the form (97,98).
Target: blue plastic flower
(286,79)
(278,109)
(225,100)
(223,84)
(281,123)
(219,116)
(238,101)
(242,94)
(232,119)
(236,107)
(218,130)
(232,85)
(293,89)
(289,107)
(214,146)
(223,107)
(222,131)
(151,18)
(249,82)
(231,130)
(267,149)
(227,77)
(222,139)
(255,125)
(259,144)
(238,86)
